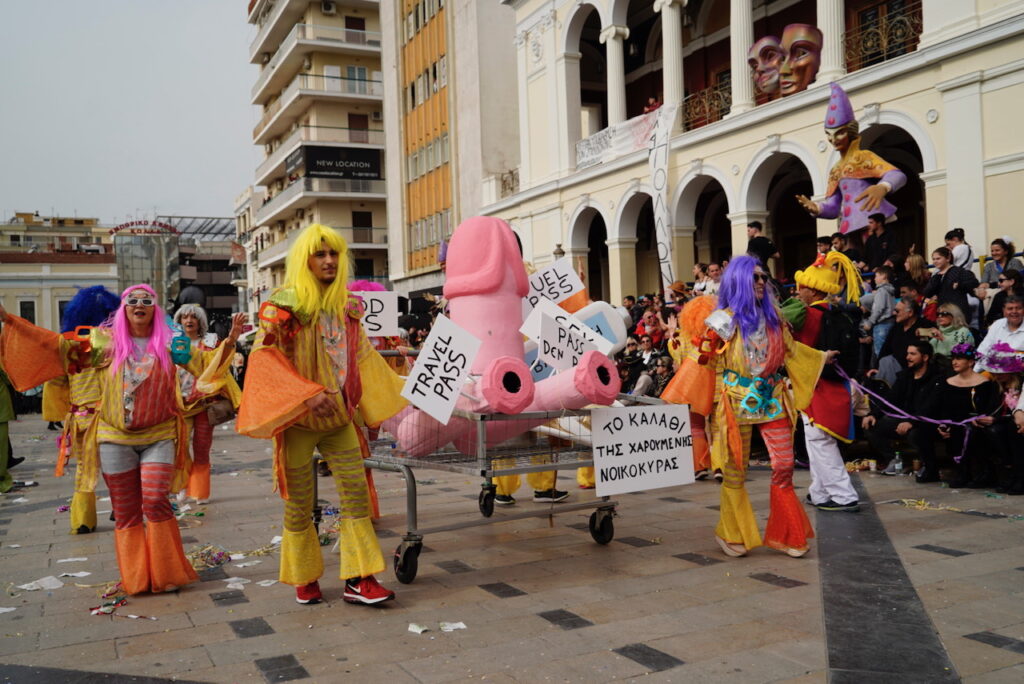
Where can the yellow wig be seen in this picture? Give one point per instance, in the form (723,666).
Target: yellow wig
(310,295)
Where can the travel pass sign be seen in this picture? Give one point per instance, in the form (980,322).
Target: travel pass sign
(642,447)
(555,282)
(441,369)
(559,347)
(380,313)
(545,307)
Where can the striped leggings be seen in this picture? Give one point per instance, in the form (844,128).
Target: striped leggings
(139,479)
(202,438)
(778,437)
(340,449)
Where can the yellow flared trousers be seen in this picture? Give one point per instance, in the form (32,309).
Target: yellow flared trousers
(301,560)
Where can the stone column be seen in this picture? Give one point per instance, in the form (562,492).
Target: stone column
(682,251)
(569,126)
(965,157)
(621,268)
(741,37)
(832,22)
(612,37)
(672,49)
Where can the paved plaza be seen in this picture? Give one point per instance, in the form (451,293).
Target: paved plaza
(890,594)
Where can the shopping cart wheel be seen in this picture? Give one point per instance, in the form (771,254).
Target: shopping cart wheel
(602,529)
(487,501)
(407,561)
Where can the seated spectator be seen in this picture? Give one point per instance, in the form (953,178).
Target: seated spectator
(911,393)
(1011,282)
(1007,329)
(912,290)
(962,253)
(916,269)
(1002,260)
(893,355)
(652,381)
(646,352)
(824,244)
(950,284)
(700,278)
(1006,367)
(651,326)
(965,395)
(881,317)
(715,279)
(951,331)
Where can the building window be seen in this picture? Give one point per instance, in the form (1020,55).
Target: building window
(442,70)
(15,239)
(27,310)
(62,304)
(880,30)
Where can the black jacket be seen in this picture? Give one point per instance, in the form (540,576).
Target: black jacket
(913,395)
(953,288)
(898,339)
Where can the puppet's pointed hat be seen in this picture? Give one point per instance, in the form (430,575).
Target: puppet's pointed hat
(840,111)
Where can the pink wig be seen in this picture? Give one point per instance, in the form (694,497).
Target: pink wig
(159,339)
(366,286)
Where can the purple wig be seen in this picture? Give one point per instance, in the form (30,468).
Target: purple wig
(91,306)
(737,293)
(123,348)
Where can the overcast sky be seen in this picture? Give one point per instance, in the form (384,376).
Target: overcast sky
(116,106)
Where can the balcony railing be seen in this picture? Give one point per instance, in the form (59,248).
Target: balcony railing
(378,235)
(706,106)
(333,134)
(341,36)
(320,185)
(883,32)
(331,85)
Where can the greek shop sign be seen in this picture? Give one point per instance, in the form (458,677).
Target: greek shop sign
(640,448)
(380,313)
(441,369)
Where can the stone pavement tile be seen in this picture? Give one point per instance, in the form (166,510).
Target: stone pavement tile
(179,662)
(1009,675)
(819,677)
(753,667)
(975,657)
(172,640)
(83,656)
(990,613)
(112,628)
(599,666)
(663,601)
(340,631)
(488,678)
(850,646)
(494,633)
(701,644)
(965,566)
(513,654)
(943,594)
(809,652)
(385,624)
(294,642)
(228,674)
(269,602)
(328,666)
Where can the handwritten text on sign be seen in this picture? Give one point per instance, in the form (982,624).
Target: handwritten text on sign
(380,313)
(531,327)
(555,282)
(559,347)
(642,447)
(441,369)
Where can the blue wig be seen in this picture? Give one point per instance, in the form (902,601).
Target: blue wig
(91,306)
(737,293)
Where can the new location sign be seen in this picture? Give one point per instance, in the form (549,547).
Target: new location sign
(355,163)
(642,447)
(441,369)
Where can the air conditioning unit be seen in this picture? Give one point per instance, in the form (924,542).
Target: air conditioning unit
(265,58)
(329,8)
(377,116)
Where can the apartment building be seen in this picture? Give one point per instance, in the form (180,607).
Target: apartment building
(321,129)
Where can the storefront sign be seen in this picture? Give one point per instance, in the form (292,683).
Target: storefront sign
(356,163)
(441,369)
(144,227)
(640,448)
(380,313)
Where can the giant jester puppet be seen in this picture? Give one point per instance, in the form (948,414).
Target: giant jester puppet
(734,376)
(860,180)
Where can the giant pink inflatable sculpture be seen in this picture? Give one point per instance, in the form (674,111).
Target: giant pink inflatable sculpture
(485,284)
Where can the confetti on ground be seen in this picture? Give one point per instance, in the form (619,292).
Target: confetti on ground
(106,498)
(49,582)
(209,556)
(237,580)
(923,505)
(248,564)
(14,546)
(20,499)
(452,626)
(83,573)
(417,629)
(73,560)
(63,509)
(267,583)
(7,610)
(237,556)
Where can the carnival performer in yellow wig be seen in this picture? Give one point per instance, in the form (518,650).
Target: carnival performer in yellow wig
(820,322)
(312,375)
(140,430)
(738,367)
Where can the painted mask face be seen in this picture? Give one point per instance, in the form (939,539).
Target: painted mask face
(765,57)
(801,45)
(840,138)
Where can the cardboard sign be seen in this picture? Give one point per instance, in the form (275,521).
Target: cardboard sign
(531,327)
(555,282)
(560,347)
(538,369)
(642,447)
(380,313)
(441,369)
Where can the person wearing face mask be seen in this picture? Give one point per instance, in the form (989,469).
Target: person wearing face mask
(860,180)
(801,49)
(143,451)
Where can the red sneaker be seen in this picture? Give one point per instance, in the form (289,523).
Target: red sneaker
(309,593)
(366,590)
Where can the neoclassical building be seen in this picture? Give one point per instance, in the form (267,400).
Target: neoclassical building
(937,87)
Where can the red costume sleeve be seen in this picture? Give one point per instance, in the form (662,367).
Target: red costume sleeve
(32,355)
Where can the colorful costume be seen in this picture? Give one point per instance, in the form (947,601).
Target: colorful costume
(297,356)
(734,377)
(6,416)
(143,451)
(829,417)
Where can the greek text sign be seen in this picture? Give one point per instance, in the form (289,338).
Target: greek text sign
(642,447)
(380,313)
(555,282)
(545,307)
(559,347)
(441,369)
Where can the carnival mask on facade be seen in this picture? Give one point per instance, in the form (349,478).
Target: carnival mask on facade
(801,47)
(764,58)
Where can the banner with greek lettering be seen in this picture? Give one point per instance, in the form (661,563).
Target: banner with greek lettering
(557,282)
(380,313)
(441,369)
(657,160)
(642,447)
